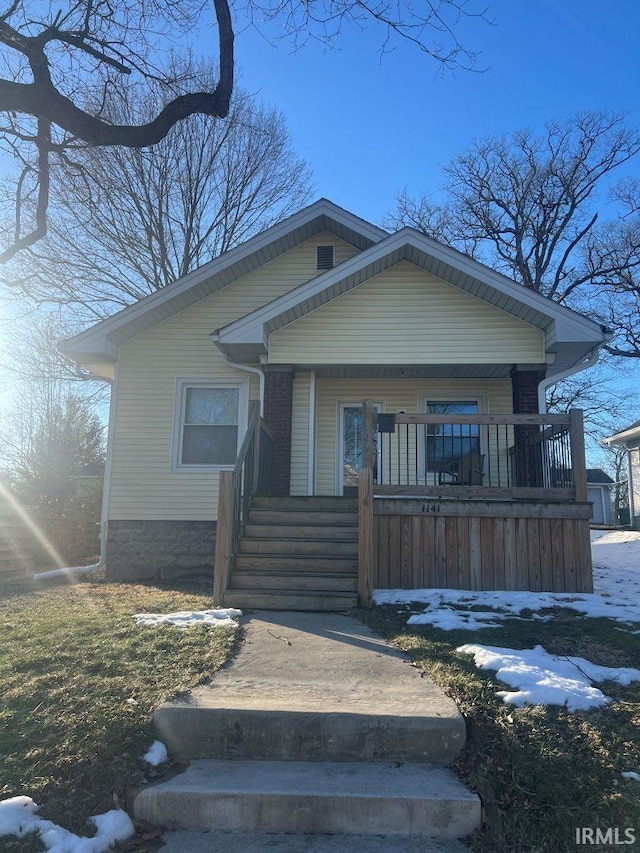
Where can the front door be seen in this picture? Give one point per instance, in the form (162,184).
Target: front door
(351,446)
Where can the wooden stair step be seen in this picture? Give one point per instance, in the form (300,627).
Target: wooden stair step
(307,504)
(298,581)
(343,532)
(303,547)
(289,600)
(298,563)
(269,516)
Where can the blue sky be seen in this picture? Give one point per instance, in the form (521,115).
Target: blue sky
(371,126)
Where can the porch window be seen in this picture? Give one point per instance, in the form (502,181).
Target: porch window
(446,444)
(209,425)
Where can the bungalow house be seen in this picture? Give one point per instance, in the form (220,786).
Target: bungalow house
(629,438)
(329,408)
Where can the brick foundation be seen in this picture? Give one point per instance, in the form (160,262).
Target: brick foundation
(278,405)
(160,550)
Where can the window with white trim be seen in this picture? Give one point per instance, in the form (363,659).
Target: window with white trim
(209,425)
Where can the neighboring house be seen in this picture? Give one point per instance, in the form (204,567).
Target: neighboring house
(599,486)
(309,319)
(629,438)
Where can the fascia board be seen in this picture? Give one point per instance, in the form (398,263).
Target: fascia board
(622,437)
(95,335)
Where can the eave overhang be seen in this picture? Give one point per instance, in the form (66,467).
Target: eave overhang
(632,433)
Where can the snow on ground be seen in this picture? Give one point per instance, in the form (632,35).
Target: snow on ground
(616,575)
(18,817)
(544,679)
(222,617)
(156,754)
(538,676)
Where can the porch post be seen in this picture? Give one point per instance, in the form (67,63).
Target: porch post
(525,380)
(278,407)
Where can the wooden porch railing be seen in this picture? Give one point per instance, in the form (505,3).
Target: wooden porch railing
(445,457)
(251,475)
(477,456)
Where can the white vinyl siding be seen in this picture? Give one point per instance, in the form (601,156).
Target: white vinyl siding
(396,395)
(143,484)
(407,316)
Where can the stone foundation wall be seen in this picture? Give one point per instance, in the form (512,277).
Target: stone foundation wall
(160,550)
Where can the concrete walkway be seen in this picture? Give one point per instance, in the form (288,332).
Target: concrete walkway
(318,734)
(324,672)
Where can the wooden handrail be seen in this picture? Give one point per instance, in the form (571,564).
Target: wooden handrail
(507,420)
(254,417)
(235,490)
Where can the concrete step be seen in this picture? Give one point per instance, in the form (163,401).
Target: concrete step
(329,546)
(300,563)
(304,582)
(270,516)
(302,796)
(188,841)
(342,532)
(307,601)
(304,503)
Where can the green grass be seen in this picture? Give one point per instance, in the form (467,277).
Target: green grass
(80,681)
(540,771)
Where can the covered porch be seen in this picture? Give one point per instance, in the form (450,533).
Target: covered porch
(442,498)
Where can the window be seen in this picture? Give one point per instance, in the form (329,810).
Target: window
(209,424)
(324,257)
(447,443)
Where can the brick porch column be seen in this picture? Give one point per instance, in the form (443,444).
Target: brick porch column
(278,405)
(524,388)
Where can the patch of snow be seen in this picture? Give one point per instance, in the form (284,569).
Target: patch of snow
(18,817)
(631,774)
(225,617)
(616,576)
(156,754)
(541,678)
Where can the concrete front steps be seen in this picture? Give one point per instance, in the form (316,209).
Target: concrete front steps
(297,553)
(317,728)
(313,797)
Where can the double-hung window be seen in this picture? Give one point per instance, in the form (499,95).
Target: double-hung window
(209,424)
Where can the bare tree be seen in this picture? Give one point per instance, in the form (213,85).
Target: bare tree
(128,221)
(61,66)
(528,206)
(617,301)
(51,441)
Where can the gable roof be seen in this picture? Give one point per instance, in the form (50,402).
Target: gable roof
(571,336)
(104,337)
(596,476)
